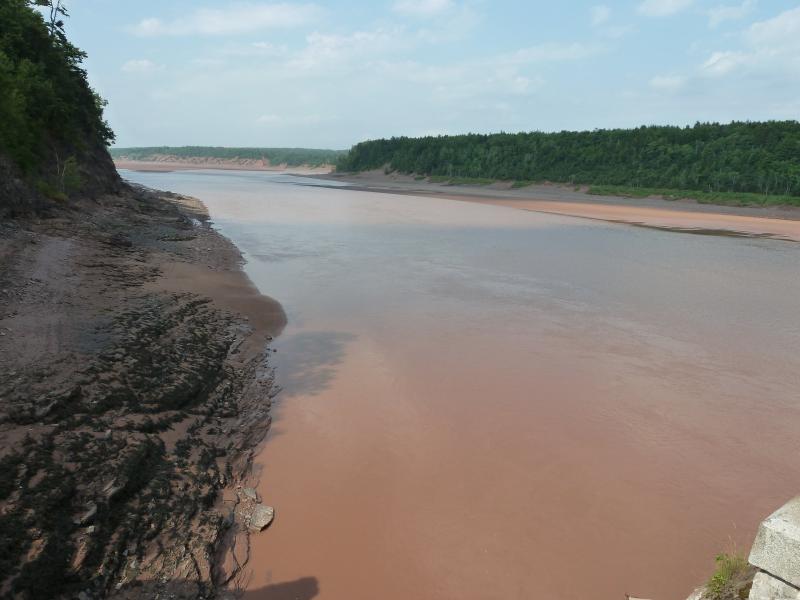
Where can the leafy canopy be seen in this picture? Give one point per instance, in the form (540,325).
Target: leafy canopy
(736,157)
(45,99)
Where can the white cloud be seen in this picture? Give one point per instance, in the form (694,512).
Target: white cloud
(617,31)
(421,8)
(332,50)
(727,12)
(780,34)
(771,46)
(765,65)
(141,65)
(668,83)
(208,63)
(553,52)
(471,83)
(600,15)
(458,24)
(239,18)
(722,63)
(253,49)
(601,22)
(483,83)
(267,48)
(278,120)
(662,8)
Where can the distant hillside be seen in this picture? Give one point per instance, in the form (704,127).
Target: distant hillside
(292,157)
(52,134)
(738,157)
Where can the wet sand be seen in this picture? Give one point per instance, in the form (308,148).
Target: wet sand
(488,403)
(660,218)
(681,215)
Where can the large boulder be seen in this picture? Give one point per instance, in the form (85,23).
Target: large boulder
(766,587)
(776,548)
(261,517)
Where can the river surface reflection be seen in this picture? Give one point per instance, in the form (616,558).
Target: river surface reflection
(481,402)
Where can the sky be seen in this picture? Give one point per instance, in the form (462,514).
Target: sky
(331,74)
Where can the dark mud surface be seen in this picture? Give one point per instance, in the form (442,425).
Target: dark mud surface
(134,387)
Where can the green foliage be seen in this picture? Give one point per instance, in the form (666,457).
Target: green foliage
(71,179)
(48,190)
(738,157)
(730,579)
(45,100)
(292,157)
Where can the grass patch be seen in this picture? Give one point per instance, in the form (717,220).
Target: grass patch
(722,198)
(732,578)
(49,191)
(521,183)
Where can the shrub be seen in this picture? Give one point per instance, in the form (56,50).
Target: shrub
(731,579)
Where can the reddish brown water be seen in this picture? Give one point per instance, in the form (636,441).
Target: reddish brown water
(482,402)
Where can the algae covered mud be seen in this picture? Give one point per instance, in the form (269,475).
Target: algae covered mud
(483,402)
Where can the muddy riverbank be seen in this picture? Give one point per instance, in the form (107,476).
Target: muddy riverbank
(135,386)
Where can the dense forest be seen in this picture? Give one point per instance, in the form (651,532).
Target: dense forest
(737,157)
(52,132)
(292,157)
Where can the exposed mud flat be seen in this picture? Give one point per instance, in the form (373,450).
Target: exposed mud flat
(686,216)
(134,388)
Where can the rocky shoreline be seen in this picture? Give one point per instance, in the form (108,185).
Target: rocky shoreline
(136,386)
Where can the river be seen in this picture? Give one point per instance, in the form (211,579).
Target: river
(483,402)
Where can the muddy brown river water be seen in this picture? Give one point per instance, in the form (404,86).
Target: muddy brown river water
(482,402)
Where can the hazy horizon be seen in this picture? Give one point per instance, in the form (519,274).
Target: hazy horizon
(313,75)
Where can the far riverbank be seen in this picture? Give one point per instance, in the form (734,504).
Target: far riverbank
(679,215)
(194,164)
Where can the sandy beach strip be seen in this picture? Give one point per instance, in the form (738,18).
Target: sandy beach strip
(669,218)
(674,215)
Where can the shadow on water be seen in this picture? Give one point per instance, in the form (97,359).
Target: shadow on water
(305,366)
(304,588)
(707,231)
(307,361)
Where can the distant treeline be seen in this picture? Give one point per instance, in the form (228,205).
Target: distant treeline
(292,157)
(737,157)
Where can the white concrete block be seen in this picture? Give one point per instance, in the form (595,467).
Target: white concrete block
(766,587)
(776,548)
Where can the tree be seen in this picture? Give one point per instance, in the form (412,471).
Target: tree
(736,157)
(47,107)
(57,10)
